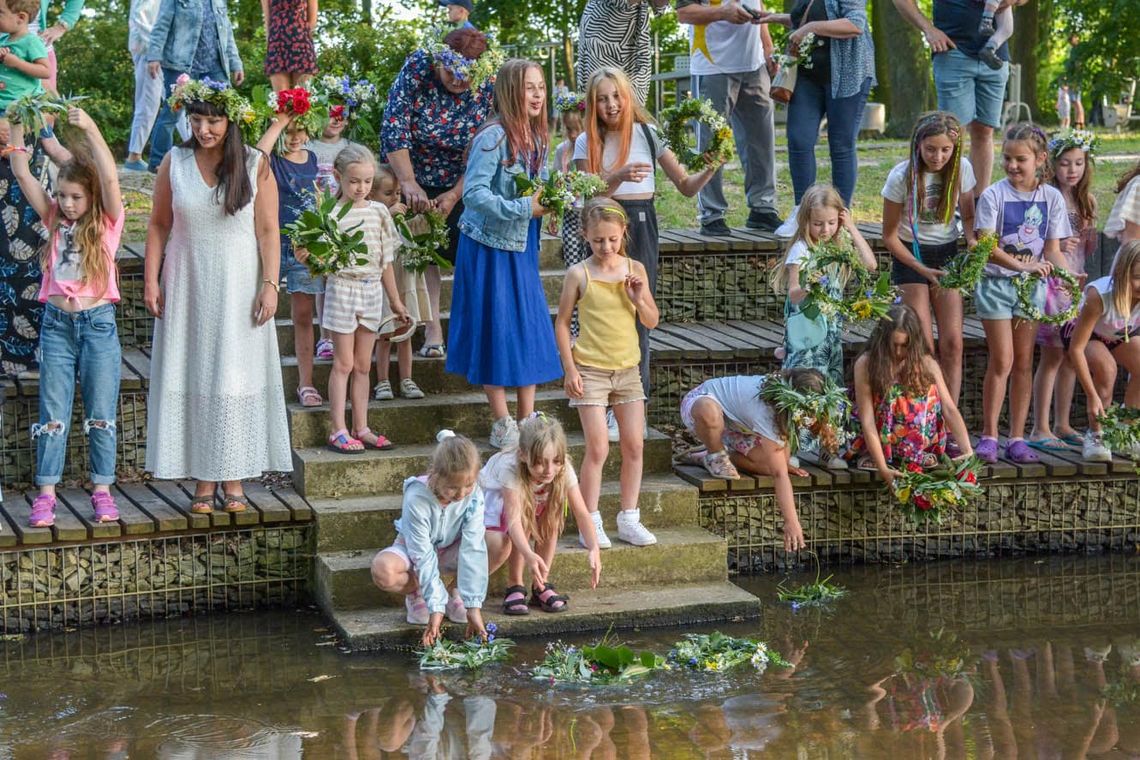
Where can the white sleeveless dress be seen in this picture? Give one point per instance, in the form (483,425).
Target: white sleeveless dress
(216,409)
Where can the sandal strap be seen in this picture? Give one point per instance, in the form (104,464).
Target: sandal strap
(554,597)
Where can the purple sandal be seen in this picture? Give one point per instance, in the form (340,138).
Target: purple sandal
(987,450)
(43,511)
(104,505)
(1019,452)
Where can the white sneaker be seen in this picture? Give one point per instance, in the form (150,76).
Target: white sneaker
(456,612)
(417,609)
(828,462)
(1094,449)
(599,531)
(788,228)
(383,391)
(631,530)
(611,426)
(505,433)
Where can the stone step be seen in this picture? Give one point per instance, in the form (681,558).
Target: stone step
(364,522)
(600,609)
(681,555)
(418,420)
(319,472)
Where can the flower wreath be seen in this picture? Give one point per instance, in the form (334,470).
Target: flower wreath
(219,94)
(476,71)
(802,409)
(674,128)
(569,101)
(964,271)
(873,295)
(345,98)
(1067,139)
(561,189)
(1120,428)
(1026,283)
(420,251)
(926,494)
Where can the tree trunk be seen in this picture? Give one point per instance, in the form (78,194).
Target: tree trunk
(568,59)
(902,66)
(1024,49)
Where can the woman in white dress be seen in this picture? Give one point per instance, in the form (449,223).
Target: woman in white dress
(216,410)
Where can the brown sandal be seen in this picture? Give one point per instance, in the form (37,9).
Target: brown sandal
(202,505)
(234,502)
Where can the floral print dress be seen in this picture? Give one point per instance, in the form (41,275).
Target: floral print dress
(911,428)
(289,48)
(20,275)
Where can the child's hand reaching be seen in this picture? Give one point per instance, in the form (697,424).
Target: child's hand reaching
(301,254)
(431,633)
(594,558)
(475,625)
(793,535)
(538,568)
(398,208)
(1043,268)
(573,383)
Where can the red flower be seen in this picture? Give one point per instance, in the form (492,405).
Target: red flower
(337,112)
(922,503)
(968,476)
(913,467)
(295,101)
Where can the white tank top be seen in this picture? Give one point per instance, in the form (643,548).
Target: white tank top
(1112,324)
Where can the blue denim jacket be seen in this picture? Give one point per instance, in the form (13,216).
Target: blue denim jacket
(174,39)
(493,212)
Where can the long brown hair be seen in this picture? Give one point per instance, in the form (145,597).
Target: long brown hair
(934,124)
(632,113)
(537,434)
(234,191)
(527,136)
(1082,191)
(89,228)
(882,370)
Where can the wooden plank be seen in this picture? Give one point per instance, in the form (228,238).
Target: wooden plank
(132,520)
(18,509)
(770,334)
(8,388)
(738,242)
(1056,466)
(166,518)
(300,508)
(176,498)
(67,526)
(667,242)
(747,345)
(129,379)
(272,509)
(700,478)
(1121,465)
(820,475)
(79,502)
(719,346)
(251,515)
(139,362)
(703,242)
(679,336)
(218,518)
(8,534)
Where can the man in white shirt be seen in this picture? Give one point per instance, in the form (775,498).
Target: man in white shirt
(728,48)
(148,89)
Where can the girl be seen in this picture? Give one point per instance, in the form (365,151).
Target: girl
(817,342)
(413,291)
(622,147)
(527,492)
(295,169)
(601,369)
(1071,155)
(1029,218)
(921,231)
(289,57)
(354,301)
(727,412)
(1103,338)
(1124,219)
(500,324)
(78,332)
(440,530)
(903,403)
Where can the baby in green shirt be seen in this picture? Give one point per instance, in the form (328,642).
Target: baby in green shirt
(23,56)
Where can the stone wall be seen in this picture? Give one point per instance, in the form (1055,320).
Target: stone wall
(85,584)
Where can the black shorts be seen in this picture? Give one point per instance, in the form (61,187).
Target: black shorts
(1067,330)
(452,221)
(933,256)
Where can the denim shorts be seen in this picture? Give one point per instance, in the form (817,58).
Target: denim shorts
(296,276)
(996,298)
(970,89)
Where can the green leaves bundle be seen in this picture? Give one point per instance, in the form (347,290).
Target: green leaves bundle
(828,269)
(815,594)
(421,250)
(675,130)
(29,110)
(1120,428)
(716,652)
(559,191)
(464,655)
(599,664)
(330,248)
(964,271)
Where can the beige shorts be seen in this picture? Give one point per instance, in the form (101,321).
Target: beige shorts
(352,303)
(609,387)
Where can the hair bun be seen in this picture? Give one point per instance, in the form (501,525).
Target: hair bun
(443,435)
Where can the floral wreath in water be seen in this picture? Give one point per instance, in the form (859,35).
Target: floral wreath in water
(219,94)
(473,70)
(1068,139)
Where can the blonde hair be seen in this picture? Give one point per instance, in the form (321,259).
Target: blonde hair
(538,433)
(89,228)
(568,120)
(818,195)
(1127,257)
(632,112)
(454,455)
(603,209)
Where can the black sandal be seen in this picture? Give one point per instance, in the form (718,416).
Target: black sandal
(551,602)
(515,606)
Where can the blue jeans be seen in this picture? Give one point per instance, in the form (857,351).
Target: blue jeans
(162,138)
(86,342)
(810,103)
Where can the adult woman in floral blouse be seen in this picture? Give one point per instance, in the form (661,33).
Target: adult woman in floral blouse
(433,111)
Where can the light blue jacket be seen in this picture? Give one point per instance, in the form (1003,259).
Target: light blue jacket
(174,39)
(427,527)
(493,212)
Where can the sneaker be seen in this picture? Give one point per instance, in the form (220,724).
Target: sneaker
(104,505)
(417,609)
(990,57)
(827,462)
(134,166)
(324,348)
(611,427)
(715,228)
(505,433)
(599,531)
(43,511)
(409,389)
(986,28)
(768,221)
(1094,449)
(631,530)
(383,391)
(456,611)
(788,228)
(720,465)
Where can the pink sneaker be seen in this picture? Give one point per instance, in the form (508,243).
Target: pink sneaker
(43,511)
(105,509)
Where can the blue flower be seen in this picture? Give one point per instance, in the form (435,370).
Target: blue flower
(491,627)
(490,637)
(823,280)
(692,660)
(796,605)
(898,299)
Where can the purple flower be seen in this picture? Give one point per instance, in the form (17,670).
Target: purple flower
(490,637)
(491,627)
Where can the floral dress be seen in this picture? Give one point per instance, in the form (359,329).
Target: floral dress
(911,428)
(20,275)
(289,48)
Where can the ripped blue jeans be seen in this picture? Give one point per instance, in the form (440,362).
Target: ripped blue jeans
(83,344)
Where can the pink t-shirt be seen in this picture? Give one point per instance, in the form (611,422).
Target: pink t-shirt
(64,274)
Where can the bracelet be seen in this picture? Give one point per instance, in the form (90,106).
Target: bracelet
(46,133)
(276,287)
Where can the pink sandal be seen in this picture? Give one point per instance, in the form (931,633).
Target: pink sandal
(342,443)
(309,396)
(377,441)
(43,511)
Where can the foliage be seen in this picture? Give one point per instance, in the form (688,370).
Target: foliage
(925,495)
(560,190)
(1120,428)
(803,409)
(466,655)
(830,262)
(1026,283)
(420,249)
(602,663)
(717,652)
(801,56)
(964,271)
(330,248)
(815,594)
(1105,56)
(675,130)
(30,110)
(940,654)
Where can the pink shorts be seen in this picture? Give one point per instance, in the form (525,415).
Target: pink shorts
(741,443)
(447,557)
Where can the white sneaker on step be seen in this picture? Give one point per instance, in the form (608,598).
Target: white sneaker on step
(417,609)
(456,611)
(1094,449)
(599,531)
(611,426)
(788,228)
(631,530)
(505,433)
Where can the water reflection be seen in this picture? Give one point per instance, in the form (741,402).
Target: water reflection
(970,660)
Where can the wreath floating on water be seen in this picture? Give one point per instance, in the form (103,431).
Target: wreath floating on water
(674,128)
(1026,284)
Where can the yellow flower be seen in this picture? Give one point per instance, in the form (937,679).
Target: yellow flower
(862,309)
(903,494)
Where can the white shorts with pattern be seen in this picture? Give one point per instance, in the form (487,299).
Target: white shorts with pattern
(352,303)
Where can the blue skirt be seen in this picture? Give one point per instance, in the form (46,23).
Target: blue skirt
(501,332)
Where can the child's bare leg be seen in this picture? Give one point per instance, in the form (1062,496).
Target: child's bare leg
(1044,382)
(499,549)
(631,426)
(1003,28)
(516,568)
(1063,400)
(917,297)
(391,573)
(433,333)
(525,396)
(593,420)
(546,549)
(948,313)
(342,367)
(1102,367)
(1021,376)
(497,399)
(708,423)
(999,339)
(301,308)
(364,341)
(404,359)
(1127,355)
(383,357)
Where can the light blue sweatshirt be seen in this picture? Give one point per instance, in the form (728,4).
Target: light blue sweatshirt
(427,527)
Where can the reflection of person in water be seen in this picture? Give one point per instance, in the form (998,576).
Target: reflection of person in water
(1023,238)
(383,730)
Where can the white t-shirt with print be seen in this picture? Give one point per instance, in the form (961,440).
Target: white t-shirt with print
(640,152)
(738,396)
(1113,325)
(930,231)
(722,47)
(1022,221)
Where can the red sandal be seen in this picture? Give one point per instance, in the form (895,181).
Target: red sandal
(377,441)
(342,443)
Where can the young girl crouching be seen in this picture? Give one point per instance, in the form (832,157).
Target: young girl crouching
(527,491)
(440,531)
(728,412)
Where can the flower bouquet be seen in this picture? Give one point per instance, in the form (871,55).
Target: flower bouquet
(296,102)
(814,594)
(800,56)
(569,101)
(830,263)
(964,271)
(1120,428)
(925,494)
(675,129)
(29,110)
(715,652)
(330,248)
(466,655)
(560,190)
(356,102)
(420,249)
(599,664)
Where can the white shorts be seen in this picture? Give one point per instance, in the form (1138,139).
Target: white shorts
(352,303)
(447,557)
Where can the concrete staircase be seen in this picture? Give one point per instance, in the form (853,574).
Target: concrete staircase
(683,578)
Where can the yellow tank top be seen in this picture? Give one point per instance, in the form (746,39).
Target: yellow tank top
(607,326)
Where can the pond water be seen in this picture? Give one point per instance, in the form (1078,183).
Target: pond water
(1029,658)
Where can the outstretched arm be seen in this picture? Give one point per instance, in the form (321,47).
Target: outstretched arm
(18,157)
(104,162)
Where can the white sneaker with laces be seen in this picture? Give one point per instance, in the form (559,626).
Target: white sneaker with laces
(456,611)
(611,426)
(788,228)
(631,530)
(505,433)
(1094,449)
(417,609)
(599,531)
